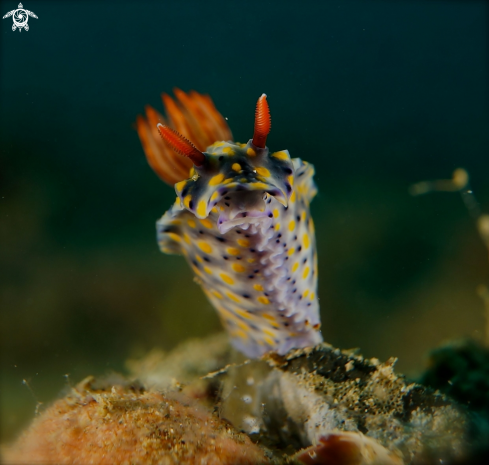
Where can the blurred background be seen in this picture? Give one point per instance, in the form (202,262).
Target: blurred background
(376,94)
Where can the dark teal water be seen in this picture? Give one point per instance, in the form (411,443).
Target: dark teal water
(376,94)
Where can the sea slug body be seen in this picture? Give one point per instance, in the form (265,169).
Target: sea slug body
(242,221)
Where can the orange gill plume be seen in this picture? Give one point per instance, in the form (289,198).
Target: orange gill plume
(192,115)
(262,122)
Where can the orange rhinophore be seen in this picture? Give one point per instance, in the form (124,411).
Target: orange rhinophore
(181,145)
(262,122)
(191,114)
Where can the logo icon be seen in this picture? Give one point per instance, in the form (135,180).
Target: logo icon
(20,17)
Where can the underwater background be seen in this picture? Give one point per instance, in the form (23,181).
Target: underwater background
(376,94)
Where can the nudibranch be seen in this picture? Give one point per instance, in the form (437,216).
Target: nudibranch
(242,221)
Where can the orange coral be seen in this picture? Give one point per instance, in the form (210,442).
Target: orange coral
(122,425)
(195,117)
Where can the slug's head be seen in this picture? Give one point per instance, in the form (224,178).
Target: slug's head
(234,180)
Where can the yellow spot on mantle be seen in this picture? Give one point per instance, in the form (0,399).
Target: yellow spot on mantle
(236,167)
(271,319)
(263,300)
(276,213)
(262,171)
(232,251)
(214,196)
(226,278)
(243,325)
(281,155)
(207,223)
(233,297)
(258,185)
(191,223)
(215,180)
(243,242)
(258,287)
(305,241)
(269,332)
(243,314)
(295,266)
(291,225)
(306,272)
(238,267)
(228,150)
(207,270)
(174,236)
(186,201)
(204,246)
(250,152)
(180,185)
(202,208)
(216,294)
(241,334)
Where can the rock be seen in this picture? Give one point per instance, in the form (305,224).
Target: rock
(311,406)
(460,369)
(299,399)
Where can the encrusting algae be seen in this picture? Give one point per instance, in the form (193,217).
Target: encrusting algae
(125,424)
